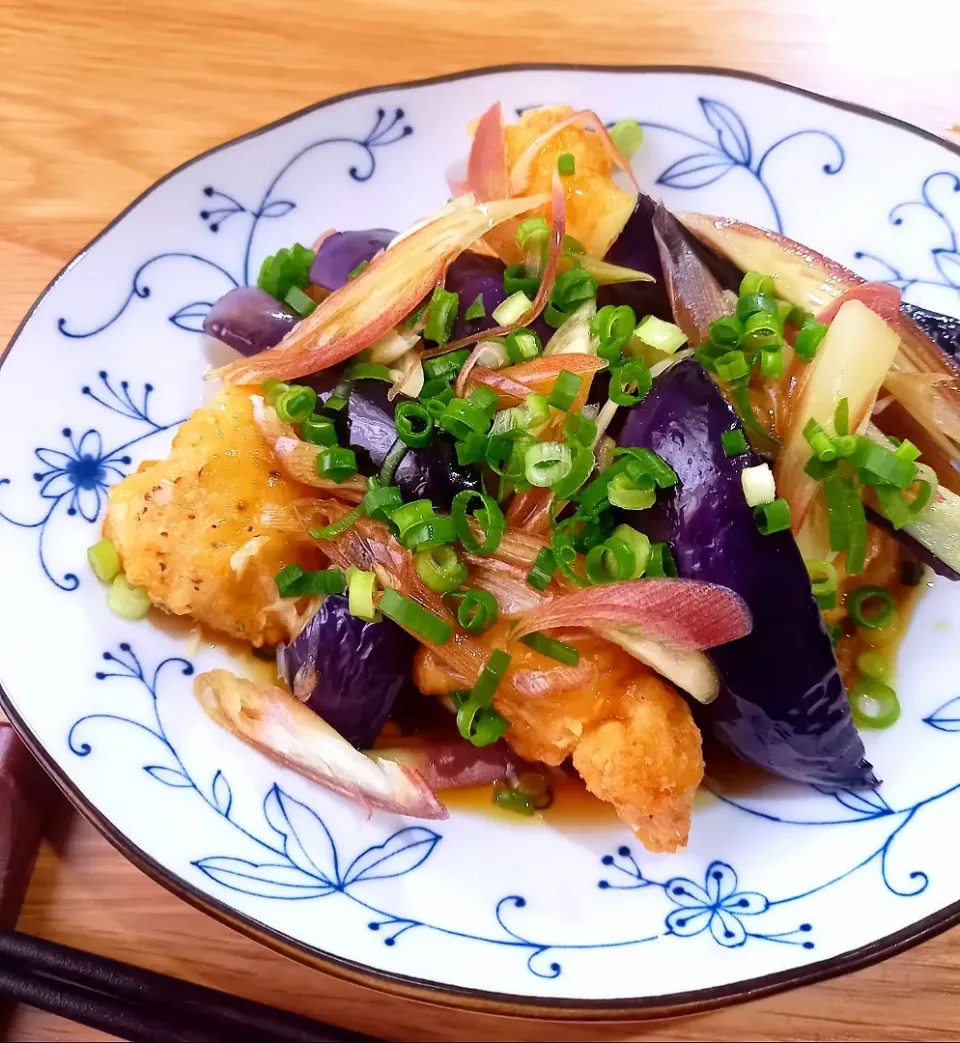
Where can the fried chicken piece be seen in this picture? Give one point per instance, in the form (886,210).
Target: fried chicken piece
(189,530)
(629,733)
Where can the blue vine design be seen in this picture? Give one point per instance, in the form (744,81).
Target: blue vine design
(945,255)
(388,129)
(75,478)
(732,149)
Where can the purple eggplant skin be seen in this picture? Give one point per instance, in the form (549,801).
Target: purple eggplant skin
(943,330)
(365,424)
(472,275)
(782,704)
(347,671)
(249,320)
(341,252)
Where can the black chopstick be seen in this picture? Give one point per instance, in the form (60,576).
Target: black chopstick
(138,1004)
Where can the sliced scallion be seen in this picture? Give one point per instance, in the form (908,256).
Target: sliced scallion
(563,653)
(412,617)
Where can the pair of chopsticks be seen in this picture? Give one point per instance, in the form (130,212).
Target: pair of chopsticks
(141,1005)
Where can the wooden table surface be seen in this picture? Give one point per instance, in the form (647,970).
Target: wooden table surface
(98,98)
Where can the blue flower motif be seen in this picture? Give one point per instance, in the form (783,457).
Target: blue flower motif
(732,149)
(935,207)
(717,906)
(75,479)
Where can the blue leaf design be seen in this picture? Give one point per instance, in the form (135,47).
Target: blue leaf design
(266,881)
(277,208)
(696,171)
(306,840)
(732,134)
(168,776)
(190,317)
(398,854)
(222,794)
(948,265)
(946,718)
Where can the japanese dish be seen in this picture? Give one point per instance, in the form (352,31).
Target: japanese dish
(554,483)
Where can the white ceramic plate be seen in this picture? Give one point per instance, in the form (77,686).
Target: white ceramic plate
(777,887)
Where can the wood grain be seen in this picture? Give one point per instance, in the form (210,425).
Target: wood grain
(98,98)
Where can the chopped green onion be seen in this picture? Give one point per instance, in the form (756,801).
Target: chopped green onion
(639,543)
(627,135)
(126,600)
(482,725)
(471,449)
(381,501)
(369,371)
(285,269)
(740,389)
(751,303)
(544,566)
(732,366)
(566,164)
(476,309)
(337,464)
(874,704)
(360,590)
(660,563)
(845,445)
(906,450)
(437,387)
(408,614)
(478,611)
(632,494)
(820,442)
(334,529)
(580,470)
(460,417)
(734,443)
(294,405)
(512,309)
(339,396)
(754,282)
(522,345)
(612,561)
(516,279)
(900,510)
(539,409)
(302,303)
(519,801)
(758,485)
(413,513)
(664,336)
(565,390)
(392,461)
(104,560)
(445,366)
(440,569)
(359,270)
(272,388)
(565,553)
(441,315)
(490,677)
(725,333)
(414,424)
(772,517)
(856,533)
(318,430)
(580,429)
(882,465)
(874,666)
(571,289)
(531,230)
(547,646)
(823,582)
(293,582)
(547,463)
(841,417)
(647,462)
(784,311)
(808,340)
(633,374)
(488,516)
(613,326)
(871,607)
(771,363)
(797,316)
(437,531)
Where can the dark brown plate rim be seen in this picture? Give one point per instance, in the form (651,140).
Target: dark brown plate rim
(627,1008)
